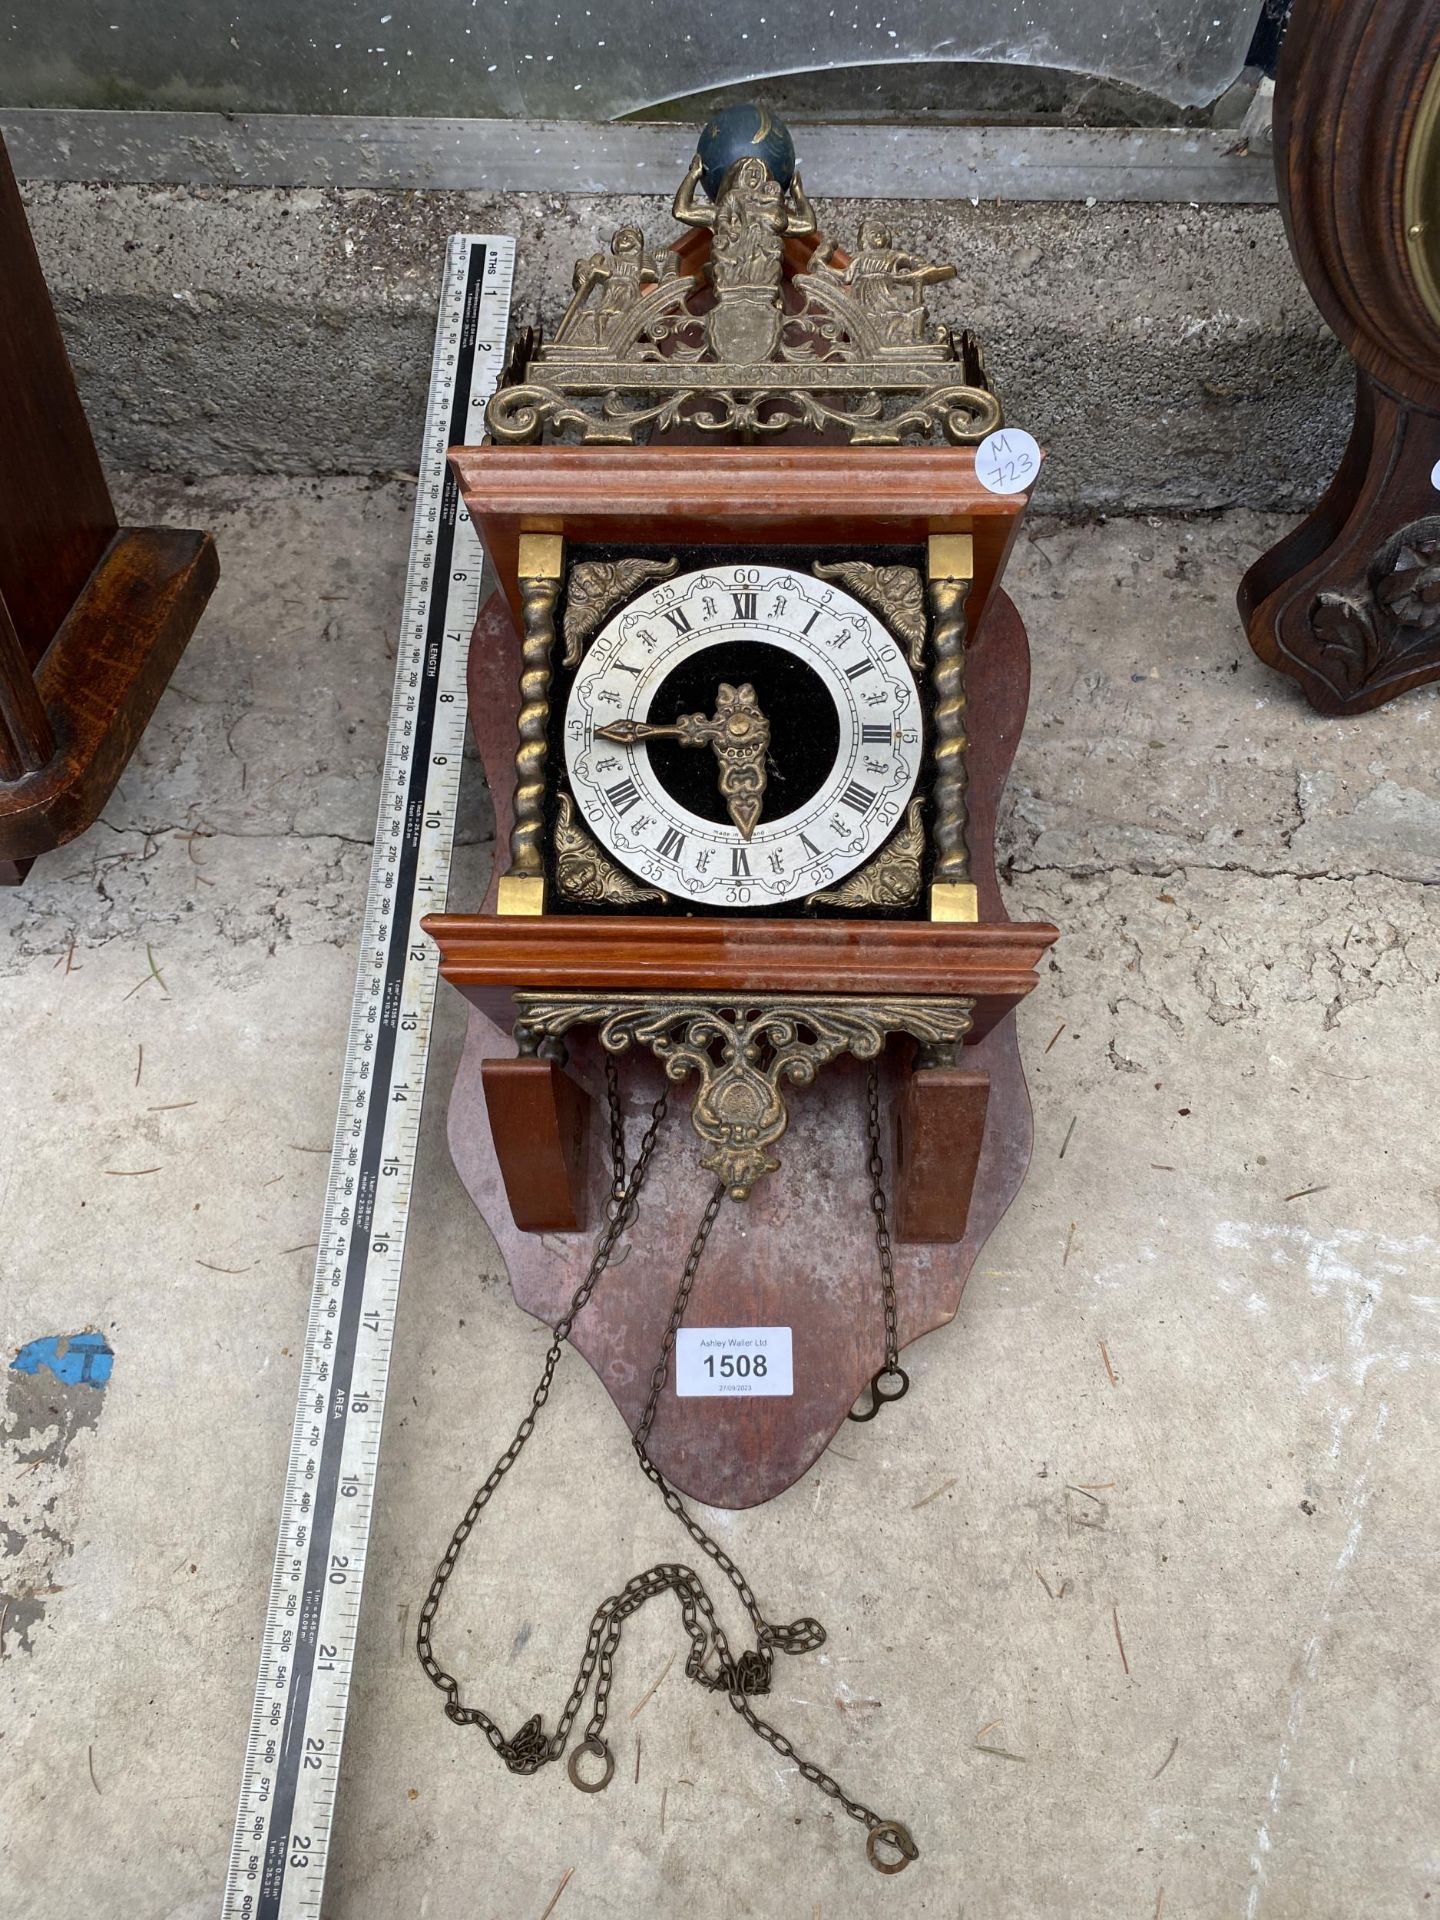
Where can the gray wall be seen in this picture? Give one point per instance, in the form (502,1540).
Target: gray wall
(1168,356)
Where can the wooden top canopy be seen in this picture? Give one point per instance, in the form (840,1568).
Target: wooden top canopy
(708,495)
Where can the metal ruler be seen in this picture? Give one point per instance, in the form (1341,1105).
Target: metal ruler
(292,1758)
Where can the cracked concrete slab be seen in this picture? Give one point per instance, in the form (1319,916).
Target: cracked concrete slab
(1155,740)
(1132,1608)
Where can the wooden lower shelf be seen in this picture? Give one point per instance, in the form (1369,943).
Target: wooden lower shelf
(487,957)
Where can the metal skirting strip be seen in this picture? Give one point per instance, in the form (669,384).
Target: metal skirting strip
(1113,165)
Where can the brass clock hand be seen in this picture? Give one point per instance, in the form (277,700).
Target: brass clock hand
(738,732)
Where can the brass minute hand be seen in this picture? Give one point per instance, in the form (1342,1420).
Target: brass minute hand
(740,735)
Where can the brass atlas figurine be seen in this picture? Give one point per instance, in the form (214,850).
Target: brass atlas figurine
(747,698)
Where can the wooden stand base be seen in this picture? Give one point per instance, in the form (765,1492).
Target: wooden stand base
(800,1253)
(93,616)
(99,680)
(1344,603)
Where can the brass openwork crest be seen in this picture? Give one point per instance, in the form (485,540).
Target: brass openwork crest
(750,345)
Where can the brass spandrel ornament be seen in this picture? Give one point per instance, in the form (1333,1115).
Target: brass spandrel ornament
(895,593)
(735,349)
(585,874)
(595,588)
(891,879)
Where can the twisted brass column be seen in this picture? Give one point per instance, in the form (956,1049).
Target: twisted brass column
(951,571)
(522,889)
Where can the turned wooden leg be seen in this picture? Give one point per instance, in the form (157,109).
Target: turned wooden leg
(540,1122)
(952,569)
(541,563)
(940,1126)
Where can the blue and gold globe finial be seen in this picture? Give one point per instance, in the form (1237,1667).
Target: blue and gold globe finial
(738,131)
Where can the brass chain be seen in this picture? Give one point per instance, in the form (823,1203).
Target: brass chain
(530,1748)
(883,1387)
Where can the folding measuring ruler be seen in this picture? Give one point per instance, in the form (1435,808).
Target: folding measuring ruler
(292,1758)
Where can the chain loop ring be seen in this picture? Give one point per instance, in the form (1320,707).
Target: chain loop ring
(600,1751)
(878,1395)
(890,1833)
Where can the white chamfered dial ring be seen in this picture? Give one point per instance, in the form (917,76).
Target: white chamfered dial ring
(839,826)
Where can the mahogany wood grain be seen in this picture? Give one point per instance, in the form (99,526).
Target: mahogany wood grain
(92,617)
(800,1252)
(939,1132)
(56,518)
(1349,88)
(101,678)
(486,956)
(783,496)
(540,1123)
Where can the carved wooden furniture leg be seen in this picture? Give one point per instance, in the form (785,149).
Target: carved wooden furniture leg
(93,617)
(1349,604)
(541,1122)
(939,1131)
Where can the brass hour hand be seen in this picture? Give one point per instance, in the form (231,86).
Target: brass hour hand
(738,732)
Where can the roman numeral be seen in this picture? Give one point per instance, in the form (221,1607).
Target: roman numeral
(857,797)
(875,736)
(676,617)
(811,621)
(623,795)
(860,666)
(810,846)
(671,843)
(739,863)
(744,605)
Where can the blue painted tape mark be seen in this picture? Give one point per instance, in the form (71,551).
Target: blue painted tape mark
(71,1357)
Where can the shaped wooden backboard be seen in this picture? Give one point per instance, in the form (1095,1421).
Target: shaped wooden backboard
(800,1252)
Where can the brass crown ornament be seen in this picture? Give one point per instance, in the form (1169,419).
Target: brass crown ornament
(764,336)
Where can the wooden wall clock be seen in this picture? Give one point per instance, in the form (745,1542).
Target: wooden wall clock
(1349,603)
(742,1095)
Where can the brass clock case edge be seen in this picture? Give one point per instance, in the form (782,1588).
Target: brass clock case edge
(1420,198)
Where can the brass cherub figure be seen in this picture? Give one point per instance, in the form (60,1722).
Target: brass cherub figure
(621,276)
(749,223)
(888,282)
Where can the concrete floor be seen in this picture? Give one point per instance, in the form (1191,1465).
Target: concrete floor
(1157,1521)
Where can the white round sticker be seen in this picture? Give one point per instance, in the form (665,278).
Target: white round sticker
(1435,476)
(1008,461)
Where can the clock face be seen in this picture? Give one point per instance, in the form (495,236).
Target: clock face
(741,736)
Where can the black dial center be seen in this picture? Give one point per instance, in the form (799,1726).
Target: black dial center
(804,727)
